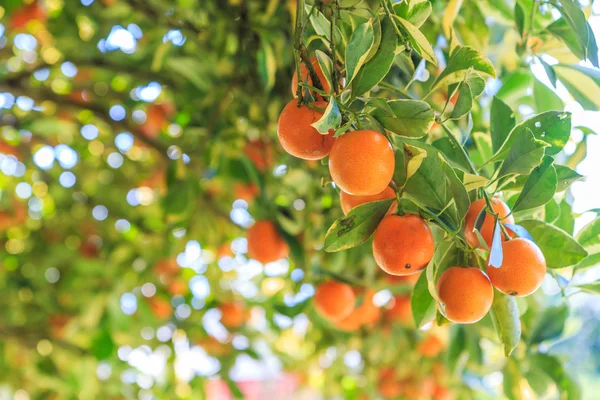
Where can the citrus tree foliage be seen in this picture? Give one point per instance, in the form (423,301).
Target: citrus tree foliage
(129,128)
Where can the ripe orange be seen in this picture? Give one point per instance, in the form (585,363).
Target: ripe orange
(348,201)
(370,313)
(265,244)
(487,229)
(366,314)
(361,163)
(466,293)
(260,153)
(441,393)
(232,314)
(401,310)
(351,323)
(431,346)
(403,245)
(306,77)
(523,268)
(298,137)
(334,300)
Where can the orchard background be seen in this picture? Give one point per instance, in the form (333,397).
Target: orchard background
(161,240)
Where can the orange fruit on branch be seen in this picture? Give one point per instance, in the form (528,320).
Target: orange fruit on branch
(265,244)
(232,314)
(466,293)
(298,137)
(348,201)
(361,163)
(403,245)
(334,300)
(306,77)
(401,310)
(523,268)
(487,229)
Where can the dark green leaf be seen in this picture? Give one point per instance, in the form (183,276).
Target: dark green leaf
(377,67)
(559,248)
(566,177)
(502,121)
(464,102)
(506,318)
(412,118)
(550,324)
(549,72)
(358,49)
(575,17)
(356,227)
(524,156)
(520,18)
(552,127)
(422,303)
(567,386)
(267,65)
(539,187)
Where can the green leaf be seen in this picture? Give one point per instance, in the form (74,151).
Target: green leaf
(551,211)
(593,288)
(560,249)
(565,220)
(459,194)
(502,121)
(412,157)
(377,67)
(575,17)
(322,26)
(583,84)
(566,176)
(545,98)
(512,377)
(358,48)
(550,324)
(524,156)
(414,11)
(103,345)
(551,366)
(412,118)
(357,226)
(506,318)
(553,127)
(451,153)
(539,187)
(589,236)
(422,303)
(326,66)
(267,65)
(520,18)
(331,119)
(233,388)
(549,72)
(179,198)
(417,40)
(464,103)
(459,63)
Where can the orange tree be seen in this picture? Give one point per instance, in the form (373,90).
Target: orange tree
(170,207)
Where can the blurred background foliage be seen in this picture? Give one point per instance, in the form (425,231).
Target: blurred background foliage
(138,142)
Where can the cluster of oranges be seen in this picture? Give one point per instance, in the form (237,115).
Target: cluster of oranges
(361,164)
